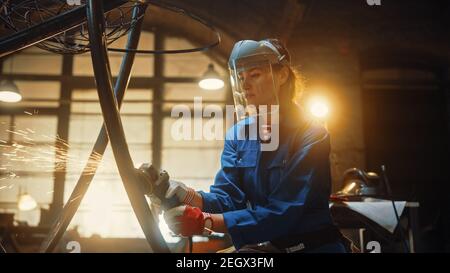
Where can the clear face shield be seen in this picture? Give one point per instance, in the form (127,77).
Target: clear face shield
(254,87)
(255,95)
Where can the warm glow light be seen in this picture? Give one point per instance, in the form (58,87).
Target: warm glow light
(99,217)
(26,202)
(211,84)
(319,108)
(351,186)
(9,92)
(9,96)
(211,80)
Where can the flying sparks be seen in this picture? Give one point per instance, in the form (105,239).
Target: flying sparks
(49,157)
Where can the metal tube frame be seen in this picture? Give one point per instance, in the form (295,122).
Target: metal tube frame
(114,128)
(64,218)
(50,28)
(110,101)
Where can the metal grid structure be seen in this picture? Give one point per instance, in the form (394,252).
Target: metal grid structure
(18,15)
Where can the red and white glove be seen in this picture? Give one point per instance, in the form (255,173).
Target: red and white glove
(178,189)
(184,194)
(188,221)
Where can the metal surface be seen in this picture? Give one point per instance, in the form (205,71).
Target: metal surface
(60,28)
(23,14)
(114,127)
(50,28)
(93,13)
(71,207)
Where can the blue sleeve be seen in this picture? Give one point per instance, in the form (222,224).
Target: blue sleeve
(306,177)
(225,194)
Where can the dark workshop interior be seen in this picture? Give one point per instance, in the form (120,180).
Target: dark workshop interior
(376,75)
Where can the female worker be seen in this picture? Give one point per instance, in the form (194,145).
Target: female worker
(274,198)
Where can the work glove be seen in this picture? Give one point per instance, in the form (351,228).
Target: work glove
(184,194)
(188,221)
(176,189)
(163,192)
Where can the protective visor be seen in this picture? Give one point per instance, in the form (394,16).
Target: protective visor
(253,86)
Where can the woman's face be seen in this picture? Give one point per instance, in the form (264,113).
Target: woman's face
(260,85)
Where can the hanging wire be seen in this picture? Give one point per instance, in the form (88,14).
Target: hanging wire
(22,14)
(176,51)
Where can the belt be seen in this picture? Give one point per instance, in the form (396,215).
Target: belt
(309,240)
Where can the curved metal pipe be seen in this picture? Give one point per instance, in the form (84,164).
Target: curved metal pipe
(114,128)
(47,29)
(66,215)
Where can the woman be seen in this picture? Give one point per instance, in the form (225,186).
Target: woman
(273,199)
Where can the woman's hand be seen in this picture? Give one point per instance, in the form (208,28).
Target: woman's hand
(184,194)
(189,221)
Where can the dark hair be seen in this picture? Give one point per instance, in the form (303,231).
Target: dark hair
(282,50)
(292,90)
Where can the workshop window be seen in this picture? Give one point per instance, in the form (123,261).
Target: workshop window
(43,63)
(27,163)
(142,66)
(106,207)
(148,102)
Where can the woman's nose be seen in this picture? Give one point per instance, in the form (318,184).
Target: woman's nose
(245,83)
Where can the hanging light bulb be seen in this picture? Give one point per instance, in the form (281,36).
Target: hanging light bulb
(211,80)
(26,202)
(9,92)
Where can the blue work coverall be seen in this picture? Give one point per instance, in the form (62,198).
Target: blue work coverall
(273,195)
